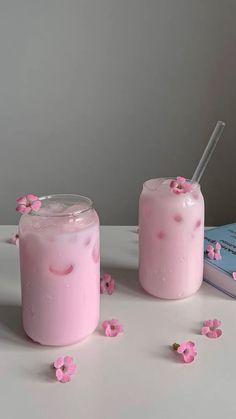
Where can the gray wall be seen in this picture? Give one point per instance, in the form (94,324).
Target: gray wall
(98,95)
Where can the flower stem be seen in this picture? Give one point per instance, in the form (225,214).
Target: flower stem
(175,346)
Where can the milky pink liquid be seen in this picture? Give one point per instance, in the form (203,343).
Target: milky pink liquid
(60,276)
(171,231)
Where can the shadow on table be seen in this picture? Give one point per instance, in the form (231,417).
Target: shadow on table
(127,282)
(11,329)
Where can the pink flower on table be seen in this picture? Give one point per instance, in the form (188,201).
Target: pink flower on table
(27,204)
(186,350)
(234,275)
(65,368)
(213,253)
(14,239)
(211,329)
(107,284)
(180,185)
(210,252)
(112,327)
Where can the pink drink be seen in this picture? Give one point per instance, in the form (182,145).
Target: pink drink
(171,231)
(60,270)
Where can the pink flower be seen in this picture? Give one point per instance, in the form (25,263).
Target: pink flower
(180,185)
(112,327)
(65,368)
(211,329)
(27,204)
(186,350)
(214,253)
(14,239)
(234,275)
(107,284)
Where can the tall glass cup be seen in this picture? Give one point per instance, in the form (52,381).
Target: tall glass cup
(60,270)
(171,232)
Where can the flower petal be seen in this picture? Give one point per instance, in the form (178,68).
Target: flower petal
(21,208)
(173,184)
(181,179)
(212,334)
(216,323)
(188,358)
(59,362)
(70,369)
(108,331)
(210,248)
(190,344)
(36,205)
(68,360)
(234,275)
(205,330)
(218,333)
(105,323)
(31,198)
(22,200)
(208,323)
(182,347)
(111,287)
(211,255)
(59,374)
(14,239)
(66,378)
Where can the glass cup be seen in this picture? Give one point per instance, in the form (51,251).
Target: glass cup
(171,233)
(60,270)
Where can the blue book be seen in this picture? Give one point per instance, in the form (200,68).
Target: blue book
(219,273)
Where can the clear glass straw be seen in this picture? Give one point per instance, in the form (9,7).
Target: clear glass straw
(209,150)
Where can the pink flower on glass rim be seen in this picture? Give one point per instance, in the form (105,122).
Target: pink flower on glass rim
(186,350)
(107,284)
(27,204)
(65,368)
(14,239)
(211,329)
(180,185)
(213,253)
(112,327)
(234,275)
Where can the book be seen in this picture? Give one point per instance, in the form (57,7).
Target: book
(219,272)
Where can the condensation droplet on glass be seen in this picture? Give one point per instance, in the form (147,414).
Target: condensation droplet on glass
(181,294)
(36,225)
(32,310)
(87,241)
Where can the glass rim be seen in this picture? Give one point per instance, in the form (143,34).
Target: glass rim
(77,198)
(196,184)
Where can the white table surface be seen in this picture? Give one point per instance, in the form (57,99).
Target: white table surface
(132,376)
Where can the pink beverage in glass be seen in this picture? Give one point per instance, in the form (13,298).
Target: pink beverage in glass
(60,270)
(171,232)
